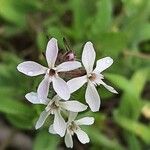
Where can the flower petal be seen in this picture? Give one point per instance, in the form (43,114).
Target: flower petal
(75,83)
(109,88)
(41,119)
(31,68)
(82,136)
(51,52)
(68,66)
(74,106)
(43,89)
(51,129)
(61,87)
(88,57)
(68,140)
(59,124)
(103,64)
(92,97)
(56,98)
(85,121)
(33,98)
(72,116)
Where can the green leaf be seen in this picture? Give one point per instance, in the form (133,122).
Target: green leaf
(99,139)
(103,17)
(139,79)
(118,80)
(54,31)
(144,32)
(16,11)
(130,105)
(14,107)
(45,141)
(135,127)
(11,13)
(80,16)
(134,22)
(41,41)
(133,141)
(117,42)
(21,122)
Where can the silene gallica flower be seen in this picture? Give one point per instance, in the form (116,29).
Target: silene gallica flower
(59,106)
(73,127)
(32,68)
(54,107)
(92,77)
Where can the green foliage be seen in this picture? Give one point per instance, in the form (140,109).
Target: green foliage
(45,141)
(135,127)
(15,11)
(119,29)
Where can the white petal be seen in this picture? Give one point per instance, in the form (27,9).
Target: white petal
(85,121)
(41,119)
(74,106)
(82,136)
(68,140)
(68,66)
(61,88)
(75,83)
(51,129)
(43,89)
(33,98)
(51,52)
(31,68)
(103,64)
(59,124)
(88,57)
(72,116)
(109,88)
(56,98)
(92,97)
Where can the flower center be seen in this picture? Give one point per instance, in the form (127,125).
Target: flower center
(52,72)
(72,127)
(54,106)
(51,107)
(92,77)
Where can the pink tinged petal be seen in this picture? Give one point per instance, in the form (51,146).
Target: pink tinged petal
(85,121)
(103,64)
(68,66)
(33,98)
(61,87)
(59,124)
(31,68)
(88,57)
(41,120)
(68,140)
(72,116)
(74,106)
(51,52)
(43,89)
(82,136)
(92,97)
(109,88)
(76,83)
(51,129)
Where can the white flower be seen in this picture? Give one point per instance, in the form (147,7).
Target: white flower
(54,107)
(92,77)
(73,127)
(31,68)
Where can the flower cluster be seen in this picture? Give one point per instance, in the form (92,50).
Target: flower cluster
(61,102)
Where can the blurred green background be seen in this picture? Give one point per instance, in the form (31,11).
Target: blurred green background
(118,28)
